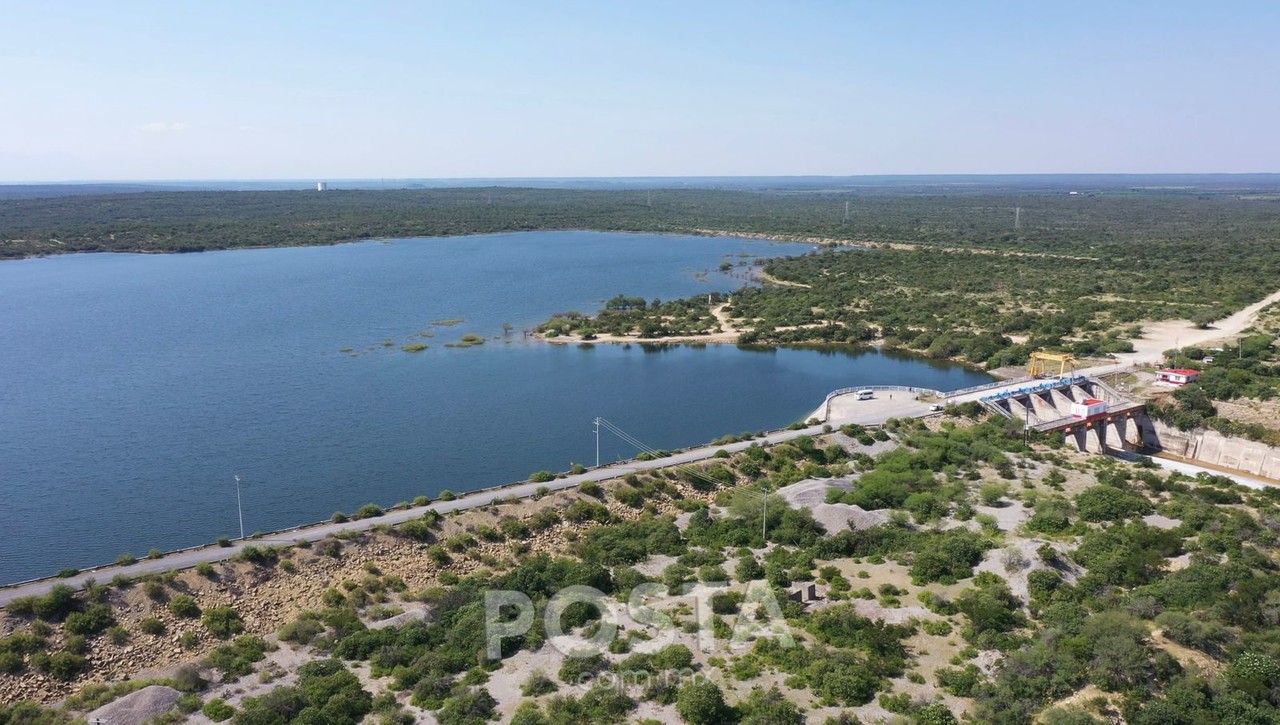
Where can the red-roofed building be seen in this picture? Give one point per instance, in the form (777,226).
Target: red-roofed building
(1177,376)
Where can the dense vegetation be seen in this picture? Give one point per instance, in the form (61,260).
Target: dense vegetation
(1076,275)
(1251,369)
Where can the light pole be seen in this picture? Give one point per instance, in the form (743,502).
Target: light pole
(239,510)
(596,424)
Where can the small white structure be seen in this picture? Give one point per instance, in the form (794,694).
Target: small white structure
(1088,408)
(322,186)
(1177,376)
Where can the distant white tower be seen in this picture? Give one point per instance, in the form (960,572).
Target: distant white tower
(322,186)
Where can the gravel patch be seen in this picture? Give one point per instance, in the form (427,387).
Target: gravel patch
(834,517)
(1161,522)
(655,565)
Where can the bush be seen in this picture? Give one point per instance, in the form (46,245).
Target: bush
(218,710)
(301,630)
(465,707)
(701,702)
(151,625)
(1105,503)
(184,606)
(189,703)
(206,570)
(94,619)
(11,663)
(56,605)
(538,684)
(222,622)
(66,666)
(236,659)
(126,559)
(369,511)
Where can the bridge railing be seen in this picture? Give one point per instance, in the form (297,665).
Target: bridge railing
(1045,386)
(987,386)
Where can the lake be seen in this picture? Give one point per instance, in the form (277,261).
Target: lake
(136,386)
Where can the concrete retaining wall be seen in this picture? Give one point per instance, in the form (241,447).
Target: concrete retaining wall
(1210,446)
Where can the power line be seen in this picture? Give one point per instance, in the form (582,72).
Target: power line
(694,472)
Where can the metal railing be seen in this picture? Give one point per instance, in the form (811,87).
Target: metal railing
(987,386)
(1041,388)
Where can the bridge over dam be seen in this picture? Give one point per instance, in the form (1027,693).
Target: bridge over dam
(1091,414)
(1094,415)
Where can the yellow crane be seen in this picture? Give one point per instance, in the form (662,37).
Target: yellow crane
(1037,366)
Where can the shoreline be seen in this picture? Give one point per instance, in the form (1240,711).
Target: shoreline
(182,559)
(781,239)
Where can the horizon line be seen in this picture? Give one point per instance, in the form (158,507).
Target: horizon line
(312,179)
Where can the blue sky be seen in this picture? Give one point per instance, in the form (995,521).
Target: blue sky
(271,90)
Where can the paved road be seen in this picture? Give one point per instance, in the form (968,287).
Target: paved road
(1191,469)
(189,558)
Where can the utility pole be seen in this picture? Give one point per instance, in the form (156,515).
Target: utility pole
(648,199)
(239,509)
(846,211)
(1026,423)
(1017,217)
(596,422)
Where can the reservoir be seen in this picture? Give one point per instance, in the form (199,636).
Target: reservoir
(133,388)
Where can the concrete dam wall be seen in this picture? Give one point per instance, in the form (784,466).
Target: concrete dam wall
(1212,447)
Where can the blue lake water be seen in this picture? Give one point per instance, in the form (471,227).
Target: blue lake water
(133,387)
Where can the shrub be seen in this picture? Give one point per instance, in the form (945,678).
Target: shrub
(56,605)
(701,702)
(151,625)
(11,663)
(575,667)
(1105,503)
(66,666)
(538,684)
(94,619)
(236,658)
(447,495)
(206,570)
(218,710)
(126,559)
(189,703)
(184,606)
(369,511)
(154,589)
(222,622)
